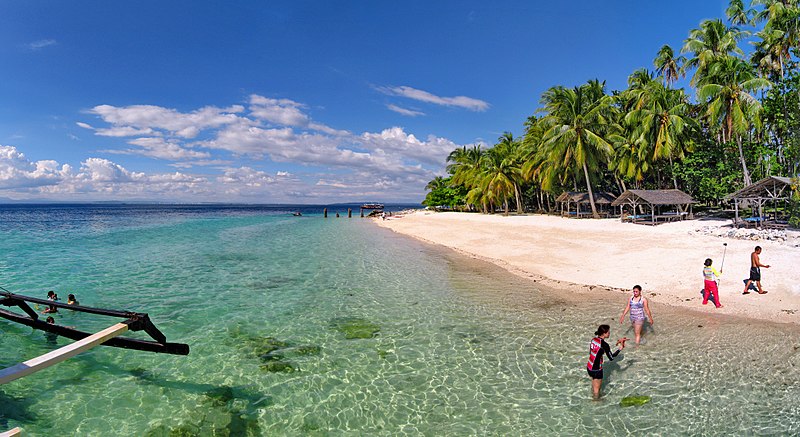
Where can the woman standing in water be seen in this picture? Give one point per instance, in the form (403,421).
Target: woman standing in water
(598,347)
(638,307)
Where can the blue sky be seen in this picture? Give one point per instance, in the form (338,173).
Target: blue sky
(291,101)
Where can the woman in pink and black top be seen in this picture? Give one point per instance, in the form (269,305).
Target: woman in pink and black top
(598,347)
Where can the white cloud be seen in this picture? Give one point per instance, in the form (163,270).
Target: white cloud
(42,43)
(396,141)
(156,147)
(234,154)
(123,131)
(201,163)
(185,125)
(404,111)
(16,171)
(282,112)
(246,176)
(424,96)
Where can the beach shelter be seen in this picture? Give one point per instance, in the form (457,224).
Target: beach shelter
(677,203)
(772,189)
(577,204)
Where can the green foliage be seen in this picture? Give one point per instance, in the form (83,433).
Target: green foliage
(709,173)
(446,195)
(794,204)
(782,118)
(634,401)
(354,327)
(745,125)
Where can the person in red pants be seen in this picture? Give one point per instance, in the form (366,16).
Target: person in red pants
(711,276)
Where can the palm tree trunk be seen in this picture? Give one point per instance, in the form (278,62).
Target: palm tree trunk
(520,207)
(505,207)
(540,200)
(745,173)
(672,170)
(591,195)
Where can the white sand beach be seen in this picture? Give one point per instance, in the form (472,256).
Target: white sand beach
(579,255)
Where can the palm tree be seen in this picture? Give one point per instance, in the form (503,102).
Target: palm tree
(465,166)
(668,65)
(510,149)
(727,92)
(500,171)
(436,183)
(631,159)
(661,123)
(737,14)
(713,40)
(577,122)
(770,54)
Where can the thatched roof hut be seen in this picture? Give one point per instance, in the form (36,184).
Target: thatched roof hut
(582,204)
(656,200)
(771,188)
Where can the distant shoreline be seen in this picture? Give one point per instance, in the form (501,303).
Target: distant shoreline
(580,255)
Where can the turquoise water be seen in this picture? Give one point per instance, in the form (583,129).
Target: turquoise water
(463,348)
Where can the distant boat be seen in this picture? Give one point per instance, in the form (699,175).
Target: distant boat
(372,206)
(297,214)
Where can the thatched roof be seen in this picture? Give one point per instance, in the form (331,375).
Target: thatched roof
(654,197)
(582,197)
(771,187)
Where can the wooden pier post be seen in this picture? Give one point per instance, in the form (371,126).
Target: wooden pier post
(325,213)
(349,213)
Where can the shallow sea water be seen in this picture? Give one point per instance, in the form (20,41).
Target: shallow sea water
(464,348)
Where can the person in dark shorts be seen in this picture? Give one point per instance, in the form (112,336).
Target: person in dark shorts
(755,271)
(597,348)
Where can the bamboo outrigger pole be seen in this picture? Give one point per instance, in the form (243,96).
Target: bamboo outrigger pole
(12,433)
(107,337)
(54,357)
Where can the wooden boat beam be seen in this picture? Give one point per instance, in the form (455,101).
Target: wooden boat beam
(54,357)
(121,342)
(134,322)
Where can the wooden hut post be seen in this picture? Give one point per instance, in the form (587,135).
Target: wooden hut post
(325,213)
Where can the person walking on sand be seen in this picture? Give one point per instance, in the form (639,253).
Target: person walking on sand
(598,347)
(710,278)
(638,307)
(755,271)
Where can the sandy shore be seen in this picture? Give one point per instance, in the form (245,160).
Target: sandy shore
(580,255)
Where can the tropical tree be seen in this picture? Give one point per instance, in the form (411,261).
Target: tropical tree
(727,91)
(661,123)
(669,66)
(500,172)
(712,41)
(464,163)
(577,123)
(737,14)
